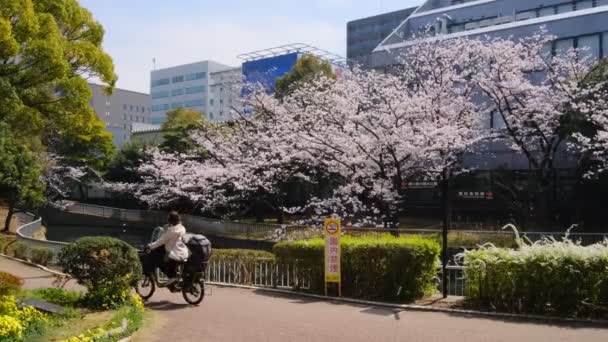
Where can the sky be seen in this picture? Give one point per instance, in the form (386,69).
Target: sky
(185,31)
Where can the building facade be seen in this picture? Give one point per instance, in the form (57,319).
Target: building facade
(225,94)
(183,86)
(364,35)
(120,111)
(579,23)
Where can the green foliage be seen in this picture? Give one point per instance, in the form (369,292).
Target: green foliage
(107,267)
(125,162)
(57,296)
(46,46)
(386,268)
(9,284)
(20,250)
(41,256)
(548,277)
(177,127)
(20,172)
(306,69)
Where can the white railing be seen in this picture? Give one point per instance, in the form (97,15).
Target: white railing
(260,273)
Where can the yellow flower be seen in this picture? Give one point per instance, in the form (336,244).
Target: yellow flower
(10,327)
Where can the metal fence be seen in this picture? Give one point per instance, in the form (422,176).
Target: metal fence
(266,273)
(261,273)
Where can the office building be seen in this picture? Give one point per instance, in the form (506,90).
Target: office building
(364,35)
(265,66)
(581,23)
(225,94)
(120,111)
(183,86)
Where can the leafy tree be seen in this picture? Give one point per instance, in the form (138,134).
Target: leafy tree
(48,49)
(180,122)
(125,162)
(20,172)
(306,69)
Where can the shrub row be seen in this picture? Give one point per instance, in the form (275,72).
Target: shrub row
(39,255)
(385,268)
(548,277)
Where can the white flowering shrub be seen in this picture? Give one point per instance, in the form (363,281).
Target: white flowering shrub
(546,277)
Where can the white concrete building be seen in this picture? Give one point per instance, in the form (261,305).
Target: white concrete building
(120,111)
(184,86)
(225,94)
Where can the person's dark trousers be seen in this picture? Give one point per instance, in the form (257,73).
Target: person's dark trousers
(171,268)
(153,260)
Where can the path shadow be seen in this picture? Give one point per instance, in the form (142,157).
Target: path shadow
(549,322)
(166,306)
(398,313)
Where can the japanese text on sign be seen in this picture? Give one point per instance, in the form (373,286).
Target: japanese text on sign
(332,250)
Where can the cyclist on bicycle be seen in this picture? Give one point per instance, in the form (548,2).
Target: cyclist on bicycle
(176,251)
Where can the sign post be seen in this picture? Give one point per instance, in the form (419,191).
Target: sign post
(332,253)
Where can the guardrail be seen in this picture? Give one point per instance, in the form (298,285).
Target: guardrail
(264,231)
(26,231)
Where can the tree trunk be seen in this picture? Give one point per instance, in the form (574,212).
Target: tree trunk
(9,217)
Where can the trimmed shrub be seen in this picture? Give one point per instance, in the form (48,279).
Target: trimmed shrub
(41,256)
(548,277)
(107,267)
(9,284)
(20,250)
(385,268)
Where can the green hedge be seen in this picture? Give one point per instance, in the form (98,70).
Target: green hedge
(559,278)
(385,268)
(41,256)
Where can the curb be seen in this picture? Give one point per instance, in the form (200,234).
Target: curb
(44,268)
(410,307)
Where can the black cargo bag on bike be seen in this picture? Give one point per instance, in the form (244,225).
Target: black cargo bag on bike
(200,252)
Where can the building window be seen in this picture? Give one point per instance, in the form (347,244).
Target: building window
(176,92)
(158,95)
(565,8)
(161,107)
(178,79)
(196,76)
(195,90)
(211,101)
(581,5)
(563,45)
(194,103)
(124,116)
(211,115)
(124,106)
(107,113)
(590,46)
(160,82)
(130,117)
(175,105)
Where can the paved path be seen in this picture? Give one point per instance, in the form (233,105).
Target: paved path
(247,315)
(33,277)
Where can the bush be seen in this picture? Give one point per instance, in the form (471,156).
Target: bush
(107,267)
(9,284)
(384,268)
(20,250)
(548,277)
(41,256)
